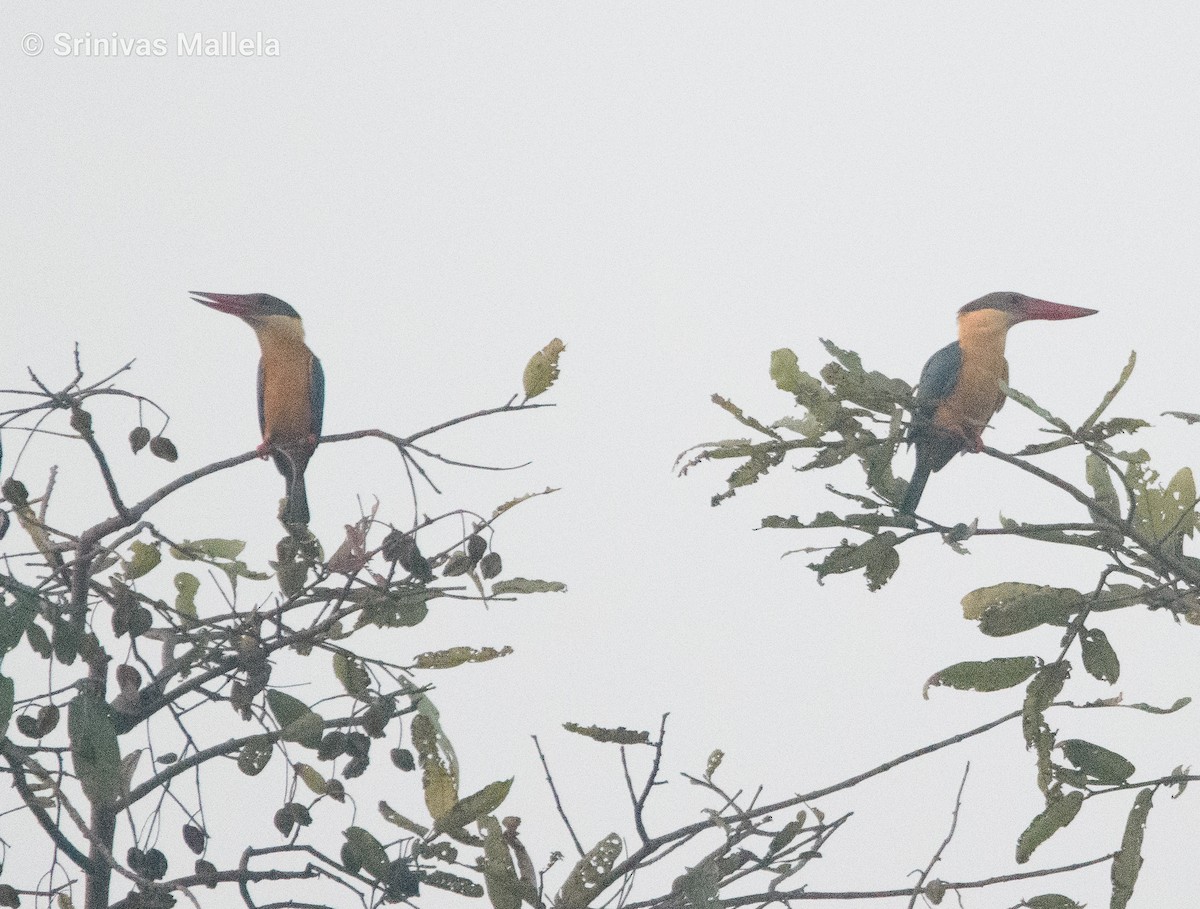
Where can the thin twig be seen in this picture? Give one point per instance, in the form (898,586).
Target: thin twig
(557,801)
(946,842)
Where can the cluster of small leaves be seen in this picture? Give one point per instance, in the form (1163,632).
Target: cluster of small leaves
(218,654)
(160,445)
(1129,515)
(851,414)
(1086,768)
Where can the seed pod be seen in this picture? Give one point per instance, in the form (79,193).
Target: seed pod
(283,821)
(140,621)
(490,565)
(394,545)
(81,421)
(403,759)
(401,881)
(333,745)
(204,866)
(356,767)
(376,718)
(139,438)
(47,719)
(194,837)
(128,678)
(476,547)
(155,865)
(357,744)
(402,548)
(300,814)
(458,563)
(27,725)
(162,447)
(14,490)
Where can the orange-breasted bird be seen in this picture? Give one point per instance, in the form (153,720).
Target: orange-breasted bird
(959,389)
(291,389)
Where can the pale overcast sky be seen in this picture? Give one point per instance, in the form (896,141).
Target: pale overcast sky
(674,189)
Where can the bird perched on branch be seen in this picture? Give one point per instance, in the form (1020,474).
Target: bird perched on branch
(959,389)
(291,389)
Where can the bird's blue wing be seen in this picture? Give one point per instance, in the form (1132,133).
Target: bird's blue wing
(317,397)
(262,416)
(939,377)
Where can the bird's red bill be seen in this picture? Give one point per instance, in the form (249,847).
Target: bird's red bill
(1044,309)
(234,304)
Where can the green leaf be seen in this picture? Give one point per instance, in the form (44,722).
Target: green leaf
(470,809)
(1029,404)
(39,640)
(402,608)
(583,881)
(1051,901)
(312,778)
(1112,392)
(254,755)
(785,835)
(850,382)
(351,673)
(1010,608)
(444,880)
(877,555)
(1164,514)
(499,873)
(991,675)
(66,642)
(786,372)
(1188,418)
(1099,763)
(214,548)
(286,708)
(144,558)
(526,585)
(456,656)
(699,886)
(1099,478)
(298,722)
(542,369)
(1128,862)
(617,736)
(7,694)
(94,749)
(1060,811)
(368,851)
(186,585)
(392,816)
(1040,694)
(439,777)
(1149,708)
(1099,659)
(16,617)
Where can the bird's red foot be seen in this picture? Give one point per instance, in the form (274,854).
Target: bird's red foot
(263,450)
(976,442)
(311,441)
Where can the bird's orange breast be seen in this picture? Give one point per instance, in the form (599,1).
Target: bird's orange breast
(286,391)
(976,396)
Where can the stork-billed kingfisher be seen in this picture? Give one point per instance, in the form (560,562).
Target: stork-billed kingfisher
(959,388)
(291,389)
